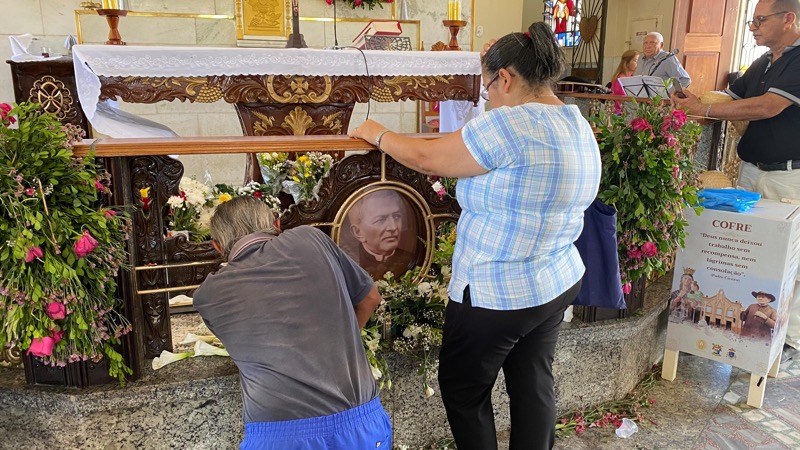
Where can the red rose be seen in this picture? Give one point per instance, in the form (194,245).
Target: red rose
(41,347)
(626,288)
(649,250)
(85,244)
(33,253)
(678,118)
(640,124)
(56,310)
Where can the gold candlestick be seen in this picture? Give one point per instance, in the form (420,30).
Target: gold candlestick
(112,17)
(455,26)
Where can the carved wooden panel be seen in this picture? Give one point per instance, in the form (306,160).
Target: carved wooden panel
(51,83)
(707,16)
(289,89)
(702,68)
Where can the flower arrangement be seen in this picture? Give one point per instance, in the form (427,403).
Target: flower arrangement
(262,191)
(305,175)
(649,177)
(443,186)
(414,311)
(59,252)
(185,209)
(274,168)
(363,3)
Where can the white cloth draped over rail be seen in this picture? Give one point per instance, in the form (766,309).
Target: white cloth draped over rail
(93,61)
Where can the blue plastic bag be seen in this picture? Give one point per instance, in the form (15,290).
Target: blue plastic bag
(733,200)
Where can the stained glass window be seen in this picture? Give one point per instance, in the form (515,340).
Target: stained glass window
(564,17)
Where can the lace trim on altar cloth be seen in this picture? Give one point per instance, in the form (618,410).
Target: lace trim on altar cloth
(198,62)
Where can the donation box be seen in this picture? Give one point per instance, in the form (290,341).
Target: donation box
(733,285)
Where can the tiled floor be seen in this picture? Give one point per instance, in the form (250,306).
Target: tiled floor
(705,408)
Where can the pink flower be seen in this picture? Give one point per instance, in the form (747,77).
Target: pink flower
(639,124)
(56,310)
(99,186)
(57,335)
(671,140)
(30,192)
(634,253)
(330,2)
(626,288)
(675,171)
(85,244)
(678,118)
(42,346)
(357,2)
(5,108)
(258,194)
(649,250)
(33,253)
(109,213)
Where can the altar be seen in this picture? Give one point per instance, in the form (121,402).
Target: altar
(276,92)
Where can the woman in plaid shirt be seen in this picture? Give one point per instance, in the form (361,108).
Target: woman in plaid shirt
(526,172)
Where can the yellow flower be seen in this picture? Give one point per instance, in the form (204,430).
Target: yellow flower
(302,159)
(295,178)
(224,197)
(144,193)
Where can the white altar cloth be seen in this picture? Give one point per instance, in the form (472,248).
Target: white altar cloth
(93,61)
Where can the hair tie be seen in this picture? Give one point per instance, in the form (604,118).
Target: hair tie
(528,33)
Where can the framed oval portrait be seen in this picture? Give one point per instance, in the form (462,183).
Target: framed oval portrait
(384,229)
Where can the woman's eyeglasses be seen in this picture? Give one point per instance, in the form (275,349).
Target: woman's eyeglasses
(485,90)
(757,20)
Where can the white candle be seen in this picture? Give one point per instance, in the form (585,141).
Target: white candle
(112,4)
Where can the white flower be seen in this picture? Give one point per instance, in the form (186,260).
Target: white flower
(424,288)
(175,202)
(191,338)
(168,358)
(376,373)
(429,392)
(203,349)
(446,271)
(412,331)
(437,186)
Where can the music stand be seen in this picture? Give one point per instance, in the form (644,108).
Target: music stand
(643,86)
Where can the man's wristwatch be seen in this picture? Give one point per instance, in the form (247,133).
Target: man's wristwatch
(378,139)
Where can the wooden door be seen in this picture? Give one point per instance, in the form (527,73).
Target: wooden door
(704,31)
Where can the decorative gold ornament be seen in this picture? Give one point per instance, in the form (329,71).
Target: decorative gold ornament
(53,95)
(298,122)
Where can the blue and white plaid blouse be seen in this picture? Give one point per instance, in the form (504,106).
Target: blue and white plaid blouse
(519,220)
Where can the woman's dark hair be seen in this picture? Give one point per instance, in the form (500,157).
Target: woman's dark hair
(535,55)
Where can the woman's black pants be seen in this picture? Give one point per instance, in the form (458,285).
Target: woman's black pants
(476,343)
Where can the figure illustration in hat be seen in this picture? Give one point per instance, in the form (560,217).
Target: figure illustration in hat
(758,319)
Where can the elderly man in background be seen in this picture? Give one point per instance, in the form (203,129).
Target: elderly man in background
(768,95)
(658,63)
(289,308)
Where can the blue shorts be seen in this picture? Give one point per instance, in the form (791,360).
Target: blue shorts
(363,427)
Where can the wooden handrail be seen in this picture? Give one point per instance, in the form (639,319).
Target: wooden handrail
(110,147)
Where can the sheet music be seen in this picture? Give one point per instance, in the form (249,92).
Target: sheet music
(643,86)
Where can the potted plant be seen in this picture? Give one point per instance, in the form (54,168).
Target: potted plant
(59,251)
(649,176)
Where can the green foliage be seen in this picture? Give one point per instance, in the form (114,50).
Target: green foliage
(649,177)
(47,258)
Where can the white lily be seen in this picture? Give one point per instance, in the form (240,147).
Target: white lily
(376,373)
(169,358)
(191,338)
(204,349)
(429,392)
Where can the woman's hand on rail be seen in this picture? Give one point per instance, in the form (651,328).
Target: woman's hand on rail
(367,131)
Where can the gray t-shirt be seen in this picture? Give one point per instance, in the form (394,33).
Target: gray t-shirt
(283,307)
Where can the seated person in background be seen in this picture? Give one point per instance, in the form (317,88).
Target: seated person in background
(376,221)
(626,68)
(658,63)
(289,307)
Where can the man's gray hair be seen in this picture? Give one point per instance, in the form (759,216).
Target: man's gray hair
(657,35)
(239,217)
(789,6)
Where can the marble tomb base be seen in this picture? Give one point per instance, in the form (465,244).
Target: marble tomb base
(196,404)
